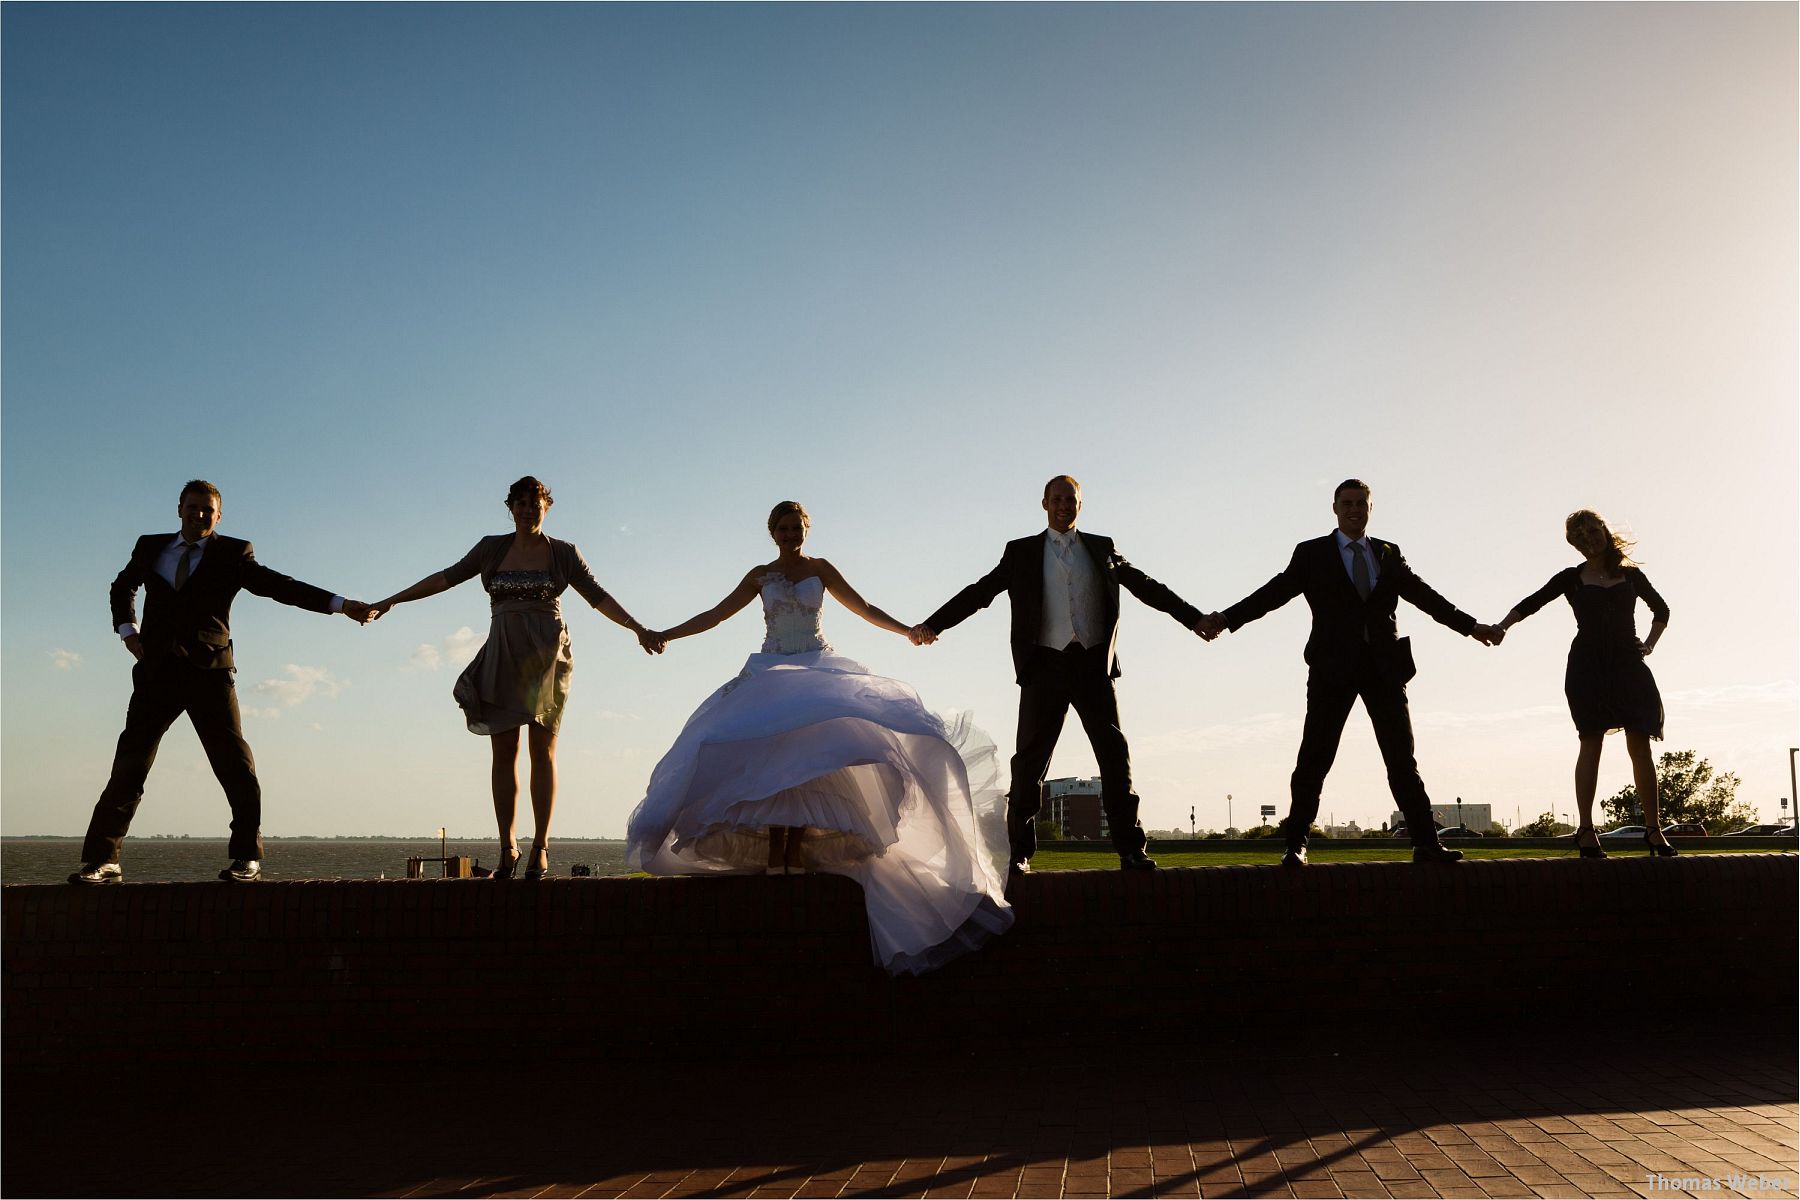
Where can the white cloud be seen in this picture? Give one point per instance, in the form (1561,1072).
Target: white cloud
(65,660)
(457,650)
(301,684)
(266,714)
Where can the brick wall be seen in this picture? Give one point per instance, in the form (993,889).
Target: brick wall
(618,969)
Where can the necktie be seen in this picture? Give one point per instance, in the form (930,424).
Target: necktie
(185,564)
(1359,570)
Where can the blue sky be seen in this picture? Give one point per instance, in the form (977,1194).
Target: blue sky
(364,265)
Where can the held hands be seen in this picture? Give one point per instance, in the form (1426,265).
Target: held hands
(1210,626)
(921,635)
(1488,635)
(652,641)
(362,613)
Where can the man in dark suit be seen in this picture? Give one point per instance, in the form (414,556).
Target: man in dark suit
(184,664)
(1353,584)
(1064,590)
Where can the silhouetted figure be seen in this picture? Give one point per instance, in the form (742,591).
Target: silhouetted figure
(1064,590)
(808,761)
(1353,584)
(1607,682)
(185,665)
(520,677)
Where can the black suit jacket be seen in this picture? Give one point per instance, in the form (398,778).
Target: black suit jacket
(1342,620)
(195,622)
(1021,576)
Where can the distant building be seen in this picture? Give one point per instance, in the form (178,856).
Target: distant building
(1479,817)
(1074,804)
(1344,831)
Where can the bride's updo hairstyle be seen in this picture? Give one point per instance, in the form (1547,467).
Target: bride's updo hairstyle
(530,485)
(783,509)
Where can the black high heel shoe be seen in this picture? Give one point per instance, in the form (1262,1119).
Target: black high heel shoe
(1593,851)
(508,864)
(1656,851)
(534,868)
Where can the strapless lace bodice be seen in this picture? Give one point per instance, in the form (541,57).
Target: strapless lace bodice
(791,615)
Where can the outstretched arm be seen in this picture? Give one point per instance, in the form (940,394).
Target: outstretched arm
(1426,599)
(838,586)
(581,578)
(1265,599)
(962,606)
(1558,585)
(1156,595)
(740,595)
(431,585)
(615,612)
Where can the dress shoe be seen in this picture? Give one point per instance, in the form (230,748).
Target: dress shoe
(1137,860)
(1295,857)
(98,873)
(1019,866)
(242,870)
(1438,854)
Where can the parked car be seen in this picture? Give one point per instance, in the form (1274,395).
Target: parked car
(1458,831)
(1784,831)
(1757,831)
(1623,832)
(1686,829)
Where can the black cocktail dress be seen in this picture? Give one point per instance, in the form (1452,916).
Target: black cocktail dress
(1608,683)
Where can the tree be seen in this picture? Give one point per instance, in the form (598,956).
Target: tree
(1687,791)
(1050,831)
(1545,826)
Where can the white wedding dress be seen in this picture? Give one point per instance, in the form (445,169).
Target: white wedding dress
(903,801)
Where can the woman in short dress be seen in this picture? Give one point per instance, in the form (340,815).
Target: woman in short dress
(1608,683)
(520,677)
(808,761)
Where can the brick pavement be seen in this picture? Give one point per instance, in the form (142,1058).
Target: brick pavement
(1603,1115)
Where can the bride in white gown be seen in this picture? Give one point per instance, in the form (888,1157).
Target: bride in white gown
(808,761)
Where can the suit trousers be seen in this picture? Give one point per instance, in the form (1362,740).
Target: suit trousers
(1060,679)
(162,691)
(1330,694)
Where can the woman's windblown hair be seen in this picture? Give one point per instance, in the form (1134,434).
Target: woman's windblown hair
(1617,554)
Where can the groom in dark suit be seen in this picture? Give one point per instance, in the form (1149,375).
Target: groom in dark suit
(184,664)
(1353,584)
(1064,590)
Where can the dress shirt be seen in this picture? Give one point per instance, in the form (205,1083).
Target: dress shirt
(171,555)
(1343,544)
(1071,593)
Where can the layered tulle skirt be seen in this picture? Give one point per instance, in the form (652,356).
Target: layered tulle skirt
(904,801)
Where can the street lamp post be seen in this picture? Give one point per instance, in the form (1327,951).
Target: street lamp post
(1229,823)
(1793,790)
